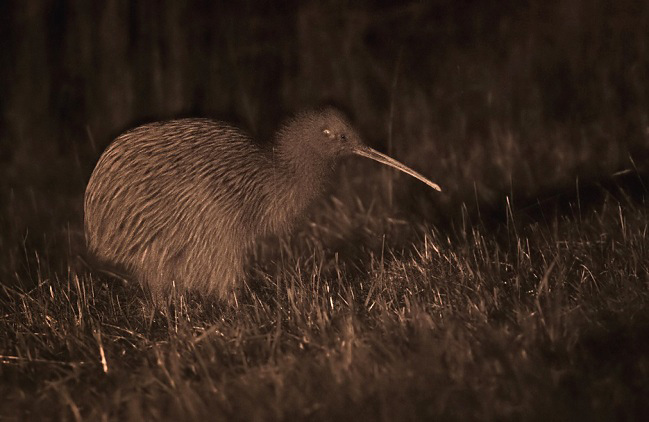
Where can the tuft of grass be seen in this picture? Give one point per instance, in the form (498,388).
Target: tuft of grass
(541,320)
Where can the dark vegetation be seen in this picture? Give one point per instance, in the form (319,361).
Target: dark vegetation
(521,292)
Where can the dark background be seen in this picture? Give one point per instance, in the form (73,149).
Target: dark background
(486,98)
(74,70)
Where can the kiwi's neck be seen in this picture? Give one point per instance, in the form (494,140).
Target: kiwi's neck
(300,176)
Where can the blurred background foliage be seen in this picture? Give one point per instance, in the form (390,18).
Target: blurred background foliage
(75,70)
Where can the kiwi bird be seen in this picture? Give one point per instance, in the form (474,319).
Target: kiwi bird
(179,204)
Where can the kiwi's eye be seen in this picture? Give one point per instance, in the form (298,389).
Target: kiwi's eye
(343,137)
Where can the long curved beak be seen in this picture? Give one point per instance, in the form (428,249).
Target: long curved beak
(365,151)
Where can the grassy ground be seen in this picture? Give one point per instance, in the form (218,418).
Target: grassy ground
(535,321)
(521,292)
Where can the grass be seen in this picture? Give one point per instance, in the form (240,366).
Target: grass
(521,292)
(535,321)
